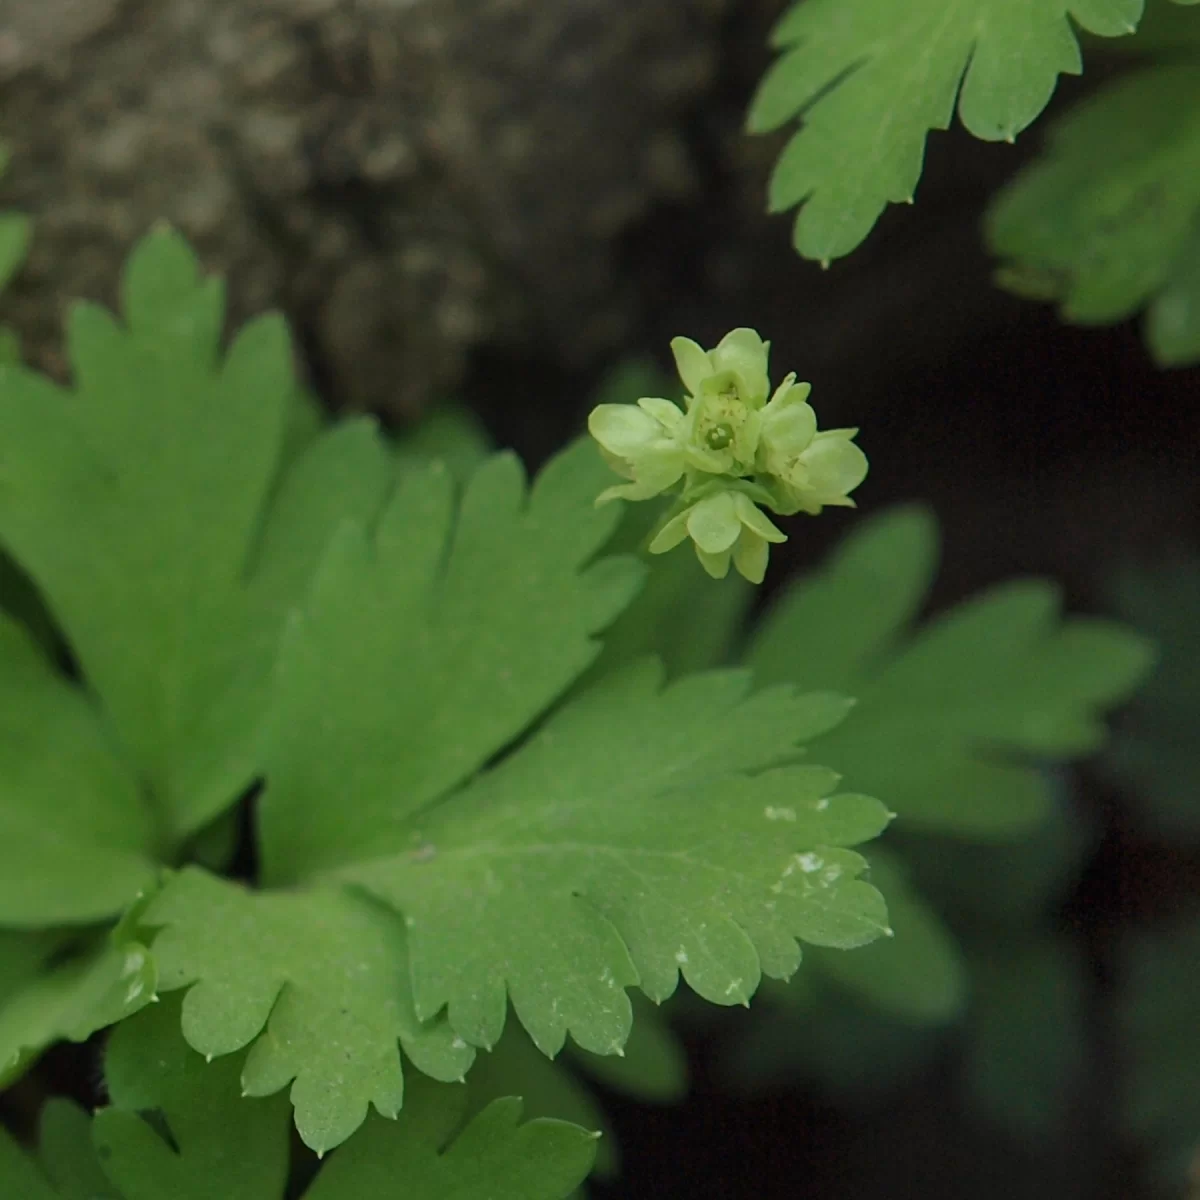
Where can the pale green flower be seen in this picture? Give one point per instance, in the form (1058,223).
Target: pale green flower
(727,388)
(804,469)
(728,450)
(726,525)
(642,442)
(822,476)
(738,361)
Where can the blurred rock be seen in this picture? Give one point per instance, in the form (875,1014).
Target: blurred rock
(406,178)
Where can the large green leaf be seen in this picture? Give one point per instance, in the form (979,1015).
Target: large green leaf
(76,839)
(52,989)
(944,711)
(133,499)
(870,78)
(67,1154)
(640,835)
(1105,223)
(918,975)
(221,1144)
(493,1158)
(436,638)
(178,1128)
(317,981)
(546,1087)
(147,505)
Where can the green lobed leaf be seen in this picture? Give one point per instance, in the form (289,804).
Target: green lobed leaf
(19,1176)
(919,975)
(1107,221)
(453,436)
(315,981)
(132,499)
(67,1154)
(546,1088)
(654,1065)
(221,1144)
(147,505)
(24,957)
(652,1068)
(343,474)
(436,637)
(942,711)
(870,78)
(53,989)
(642,833)
(76,840)
(493,1158)
(178,1128)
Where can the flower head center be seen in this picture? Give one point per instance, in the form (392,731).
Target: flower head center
(719,436)
(720,422)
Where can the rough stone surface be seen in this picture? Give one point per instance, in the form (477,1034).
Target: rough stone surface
(406,178)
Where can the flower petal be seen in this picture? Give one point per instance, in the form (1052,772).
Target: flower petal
(623,429)
(668,415)
(836,466)
(713,523)
(744,353)
(717,565)
(756,521)
(788,430)
(785,386)
(670,535)
(750,556)
(660,467)
(692,363)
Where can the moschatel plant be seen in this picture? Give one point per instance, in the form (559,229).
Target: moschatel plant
(461,798)
(730,452)
(247,603)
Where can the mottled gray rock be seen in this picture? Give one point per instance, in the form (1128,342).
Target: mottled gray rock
(406,178)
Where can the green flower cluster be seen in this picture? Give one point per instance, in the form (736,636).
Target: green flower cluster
(727,452)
